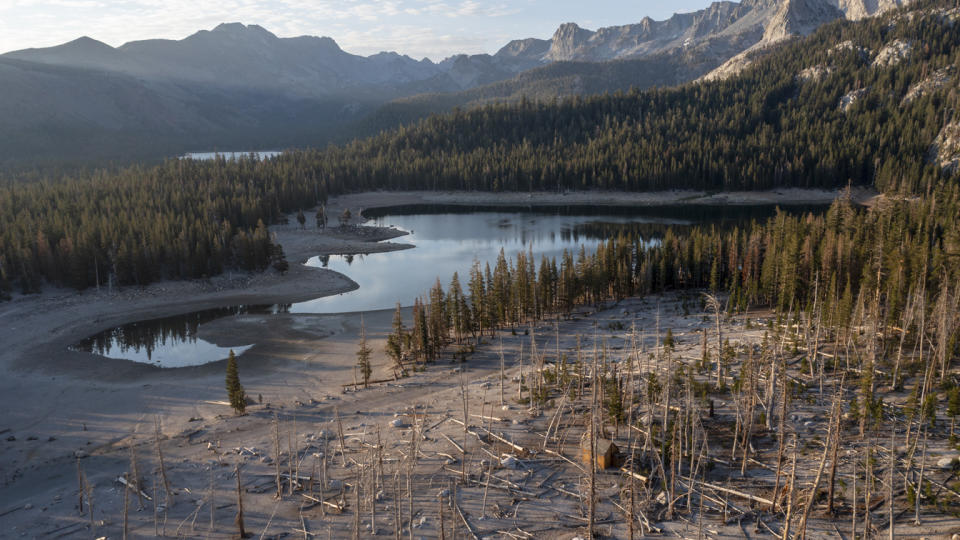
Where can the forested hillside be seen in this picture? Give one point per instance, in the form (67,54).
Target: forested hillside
(856,102)
(769,127)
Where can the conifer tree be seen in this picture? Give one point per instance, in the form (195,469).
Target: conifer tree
(363,355)
(396,342)
(235,392)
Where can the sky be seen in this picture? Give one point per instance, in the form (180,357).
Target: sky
(419,28)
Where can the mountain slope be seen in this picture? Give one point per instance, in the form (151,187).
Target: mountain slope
(791,122)
(82,115)
(243,86)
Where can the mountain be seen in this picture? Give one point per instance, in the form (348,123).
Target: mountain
(242,85)
(239,56)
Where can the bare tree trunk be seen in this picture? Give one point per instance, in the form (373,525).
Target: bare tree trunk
(501,371)
(210,500)
(397,503)
(892,473)
(466,422)
(356,509)
(343,446)
(714,303)
(520,380)
(239,521)
(126,505)
(833,469)
(291,457)
(443,535)
(868,488)
(168,495)
(823,460)
(853,499)
(593,447)
(135,471)
(372,493)
(785,398)
(919,489)
(793,479)
(276,439)
(79,488)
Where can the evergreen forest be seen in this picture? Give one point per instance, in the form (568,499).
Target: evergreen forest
(767,128)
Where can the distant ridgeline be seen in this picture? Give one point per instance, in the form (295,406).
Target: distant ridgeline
(868,103)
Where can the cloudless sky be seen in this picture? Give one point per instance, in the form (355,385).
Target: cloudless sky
(419,28)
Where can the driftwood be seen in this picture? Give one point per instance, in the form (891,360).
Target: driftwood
(356,384)
(734,492)
(638,476)
(451,441)
(133,487)
(310,498)
(466,523)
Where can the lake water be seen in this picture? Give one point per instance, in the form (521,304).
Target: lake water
(447,240)
(171,342)
(257,154)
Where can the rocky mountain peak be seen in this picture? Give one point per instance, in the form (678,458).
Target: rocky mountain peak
(799,17)
(239,29)
(566,40)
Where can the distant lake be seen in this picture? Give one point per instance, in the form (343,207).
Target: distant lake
(448,239)
(258,154)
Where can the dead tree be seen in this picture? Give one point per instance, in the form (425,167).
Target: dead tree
(168,494)
(79,487)
(241,531)
(591,516)
(834,417)
(793,479)
(714,303)
(276,440)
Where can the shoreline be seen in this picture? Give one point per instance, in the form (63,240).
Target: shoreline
(787,196)
(168,298)
(61,401)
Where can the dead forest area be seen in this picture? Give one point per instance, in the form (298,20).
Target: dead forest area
(609,395)
(617,421)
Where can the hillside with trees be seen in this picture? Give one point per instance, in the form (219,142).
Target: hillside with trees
(770,127)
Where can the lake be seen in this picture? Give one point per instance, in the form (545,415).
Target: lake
(448,239)
(257,154)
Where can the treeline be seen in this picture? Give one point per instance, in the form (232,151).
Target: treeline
(185,219)
(763,129)
(899,261)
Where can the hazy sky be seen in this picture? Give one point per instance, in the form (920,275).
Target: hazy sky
(433,28)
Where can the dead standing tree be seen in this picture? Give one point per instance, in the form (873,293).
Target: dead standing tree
(713,303)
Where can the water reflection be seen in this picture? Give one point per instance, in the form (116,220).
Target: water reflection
(447,240)
(171,341)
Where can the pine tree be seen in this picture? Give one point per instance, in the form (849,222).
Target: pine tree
(953,407)
(235,392)
(321,217)
(395,342)
(363,355)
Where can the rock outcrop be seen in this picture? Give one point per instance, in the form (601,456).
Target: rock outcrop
(814,73)
(931,84)
(851,97)
(945,150)
(893,53)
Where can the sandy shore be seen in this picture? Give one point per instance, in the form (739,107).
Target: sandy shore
(605,198)
(58,402)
